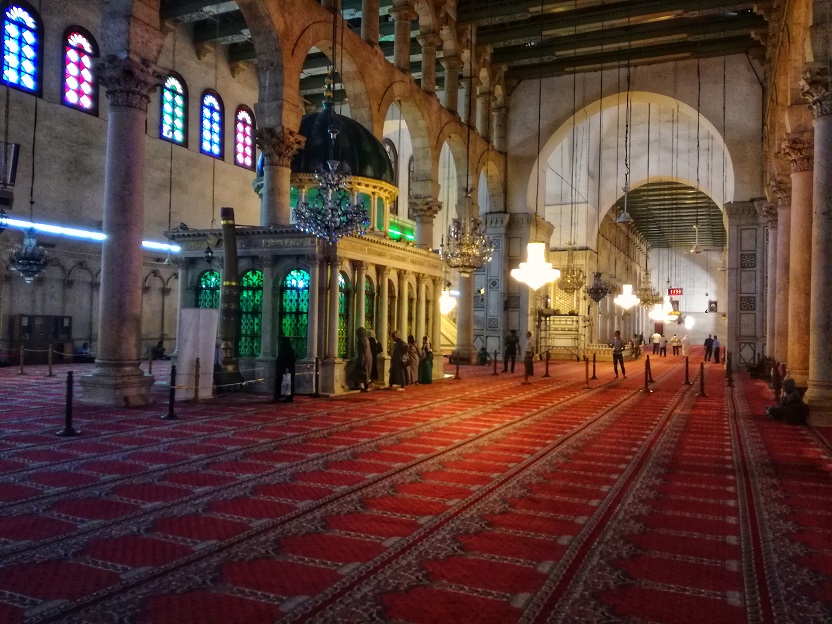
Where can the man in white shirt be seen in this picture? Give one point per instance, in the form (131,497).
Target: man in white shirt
(656,339)
(528,355)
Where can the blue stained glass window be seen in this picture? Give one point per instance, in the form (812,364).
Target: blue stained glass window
(21,49)
(210,138)
(173,125)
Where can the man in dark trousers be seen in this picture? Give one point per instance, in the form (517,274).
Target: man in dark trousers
(709,345)
(715,349)
(285,364)
(512,343)
(618,354)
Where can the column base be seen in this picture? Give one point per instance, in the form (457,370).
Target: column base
(801,377)
(332,377)
(383,365)
(117,384)
(819,400)
(463,355)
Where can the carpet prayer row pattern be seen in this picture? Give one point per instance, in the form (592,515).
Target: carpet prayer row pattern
(481,500)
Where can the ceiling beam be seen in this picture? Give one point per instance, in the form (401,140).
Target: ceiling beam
(195,10)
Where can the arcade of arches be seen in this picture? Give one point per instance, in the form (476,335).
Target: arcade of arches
(184,100)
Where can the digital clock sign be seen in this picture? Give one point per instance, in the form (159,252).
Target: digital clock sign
(674,292)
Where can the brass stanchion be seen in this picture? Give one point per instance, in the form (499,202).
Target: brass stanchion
(495,364)
(49,361)
(457,370)
(647,376)
(546,374)
(593,366)
(68,430)
(649,370)
(196,380)
(171,395)
(317,380)
(702,379)
(687,372)
(20,361)
(586,367)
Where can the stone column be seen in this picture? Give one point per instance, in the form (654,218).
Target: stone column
(484,114)
(499,122)
(401,322)
(322,305)
(383,308)
(369,21)
(420,307)
(465,351)
(451,66)
(183,277)
(468,114)
(267,317)
(313,318)
(816,89)
(117,379)
(798,149)
(332,334)
(424,209)
(360,293)
(429,41)
(436,338)
(781,189)
(278,146)
(402,17)
(771,277)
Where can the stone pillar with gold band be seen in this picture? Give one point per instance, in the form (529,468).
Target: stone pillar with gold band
(278,146)
(424,210)
(780,187)
(770,211)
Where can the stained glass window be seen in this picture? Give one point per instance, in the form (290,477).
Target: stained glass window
(174,125)
(21,48)
(343,316)
(80,85)
(294,310)
(208,290)
(251,312)
(210,138)
(369,304)
(244,137)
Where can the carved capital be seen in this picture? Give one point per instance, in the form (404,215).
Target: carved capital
(359,266)
(799,150)
(128,81)
(429,40)
(279,145)
(770,214)
(814,87)
(780,190)
(424,208)
(404,12)
(451,62)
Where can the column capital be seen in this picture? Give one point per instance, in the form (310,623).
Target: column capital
(279,145)
(429,39)
(780,190)
(799,150)
(770,214)
(384,272)
(403,12)
(360,266)
(335,262)
(815,88)
(129,81)
(437,280)
(451,61)
(424,208)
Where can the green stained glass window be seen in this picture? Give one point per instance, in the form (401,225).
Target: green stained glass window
(369,304)
(294,310)
(251,313)
(208,290)
(343,316)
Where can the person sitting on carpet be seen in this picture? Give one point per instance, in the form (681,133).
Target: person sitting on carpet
(790,409)
(482,356)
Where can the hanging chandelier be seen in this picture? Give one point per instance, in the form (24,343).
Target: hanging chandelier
(536,272)
(599,288)
(648,296)
(28,258)
(572,277)
(467,248)
(626,299)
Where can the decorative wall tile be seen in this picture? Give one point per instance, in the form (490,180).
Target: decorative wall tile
(748,260)
(748,353)
(493,323)
(748,239)
(748,282)
(748,303)
(479,302)
(514,302)
(493,284)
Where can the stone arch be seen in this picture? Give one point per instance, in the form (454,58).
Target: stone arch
(428,20)
(425,163)
(488,170)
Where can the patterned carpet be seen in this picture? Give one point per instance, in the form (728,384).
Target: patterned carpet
(480,500)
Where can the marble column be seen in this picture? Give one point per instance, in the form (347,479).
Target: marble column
(369,21)
(499,122)
(183,277)
(322,305)
(424,210)
(429,41)
(360,293)
(771,277)
(484,114)
(332,334)
(798,149)
(468,114)
(278,146)
(465,351)
(451,66)
(403,301)
(816,89)
(117,379)
(421,300)
(436,338)
(383,308)
(402,17)
(267,316)
(312,318)
(781,189)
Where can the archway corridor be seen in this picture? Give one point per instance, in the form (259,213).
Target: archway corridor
(481,500)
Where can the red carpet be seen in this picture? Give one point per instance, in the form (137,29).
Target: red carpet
(481,500)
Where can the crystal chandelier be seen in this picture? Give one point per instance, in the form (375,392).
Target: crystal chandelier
(28,259)
(536,272)
(572,277)
(626,299)
(331,214)
(599,288)
(467,248)
(647,295)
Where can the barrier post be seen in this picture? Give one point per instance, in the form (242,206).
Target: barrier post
(495,363)
(196,380)
(546,374)
(687,371)
(20,361)
(149,361)
(650,370)
(586,366)
(647,375)
(68,430)
(49,361)
(457,370)
(702,379)
(593,366)
(171,395)
(316,383)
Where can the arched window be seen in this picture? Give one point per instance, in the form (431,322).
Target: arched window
(22,59)
(174,117)
(251,312)
(80,84)
(208,290)
(294,310)
(210,138)
(369,304)
(244,138)
(343,316)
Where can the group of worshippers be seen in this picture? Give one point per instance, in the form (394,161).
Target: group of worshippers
(409,363)
(712,349)
(679,345)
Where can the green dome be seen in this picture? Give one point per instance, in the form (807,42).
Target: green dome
(355,146)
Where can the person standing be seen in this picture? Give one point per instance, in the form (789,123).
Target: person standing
(528,355)
(399,363)
(510,352)
(413,360)
(285,364)
(425,362)
(715,346)
(656,338)
(375,348)
(709,346)
(662,346)
(675,344)
(363,361)
(618,354)
(685,346)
